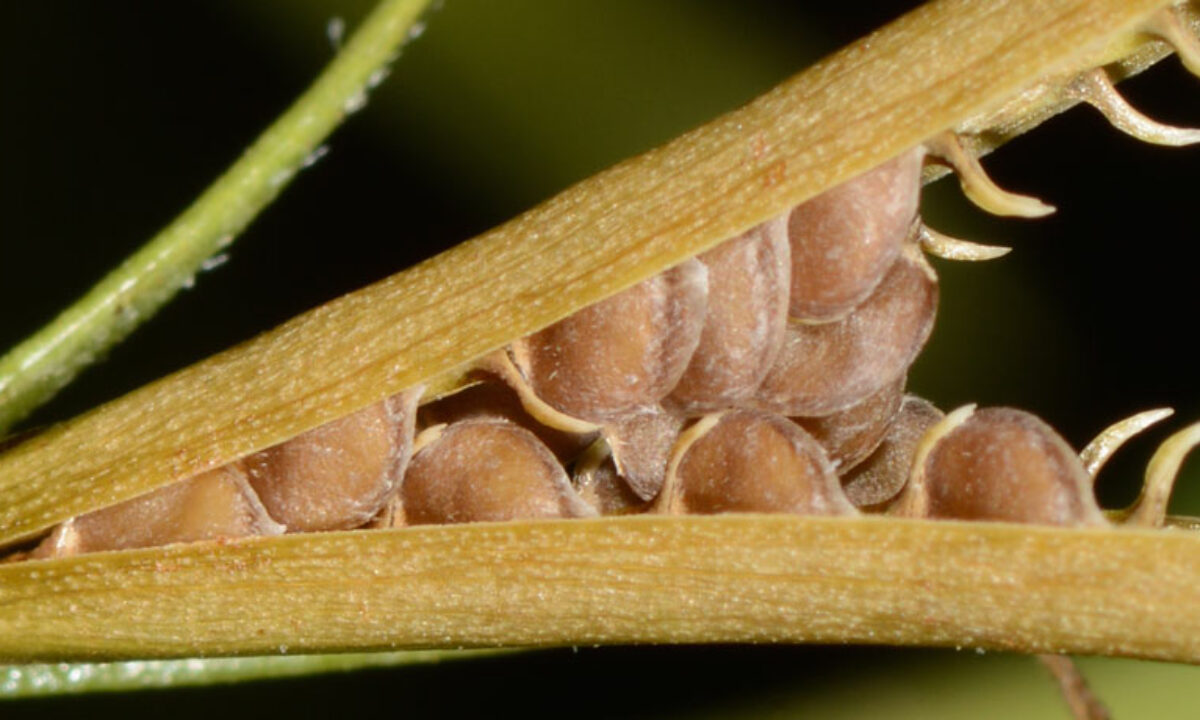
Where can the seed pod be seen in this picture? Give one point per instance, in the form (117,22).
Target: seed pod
(623,353)
(598,483)
(748,282)
(883,475)
(750,461)
(339,475)
(481,470)
(1001,464)
(844,240)
(850,435)
(829,367)
(493,399)
(641,446)
(216,504)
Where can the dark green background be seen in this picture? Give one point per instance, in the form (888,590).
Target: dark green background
(117,114)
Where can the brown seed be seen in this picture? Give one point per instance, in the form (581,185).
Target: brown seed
(829,367)
(844,240)
(216,504)
(748,283)
(482,470)
(850,435)
(883,475)
(493,399)
(339,475)
(641,447)
(623,353)
(750,461)
(1003,464)
(598,483)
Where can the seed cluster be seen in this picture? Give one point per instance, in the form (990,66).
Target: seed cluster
(765,375)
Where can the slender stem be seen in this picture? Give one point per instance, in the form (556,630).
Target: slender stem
(45,679)
(33,371)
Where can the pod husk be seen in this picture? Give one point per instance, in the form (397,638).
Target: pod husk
(954,64)
(733,578)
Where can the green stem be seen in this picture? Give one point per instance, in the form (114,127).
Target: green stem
(33,371)
(40,680)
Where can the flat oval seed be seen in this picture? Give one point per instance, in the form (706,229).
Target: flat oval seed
(750,461)
(339,475)
(623,353)
(481,470)
(850,435)
(748,284)
(641,447)
(1006,464)
(883,475)
(493,399)
(829,367)
(216,504)
(844,240)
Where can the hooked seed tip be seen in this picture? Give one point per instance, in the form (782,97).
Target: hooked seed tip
(947,247)
(1096,89)
(1111,438)
(1150,510)
(978,187)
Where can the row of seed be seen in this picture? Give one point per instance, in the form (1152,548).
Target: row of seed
(766,375)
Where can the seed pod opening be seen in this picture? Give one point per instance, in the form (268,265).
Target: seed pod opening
(483,470)
(850,435)
(844,240)
(339,475)
(829,367)
(1006,464)
(212,505)
(623,353)
(882,476)
(750,461)
(748,285)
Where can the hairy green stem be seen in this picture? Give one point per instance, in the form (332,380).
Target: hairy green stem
(46,679)
(33,371)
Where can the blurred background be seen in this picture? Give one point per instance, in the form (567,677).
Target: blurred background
(118,114)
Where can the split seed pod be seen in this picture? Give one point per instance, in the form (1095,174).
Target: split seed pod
(933,70)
